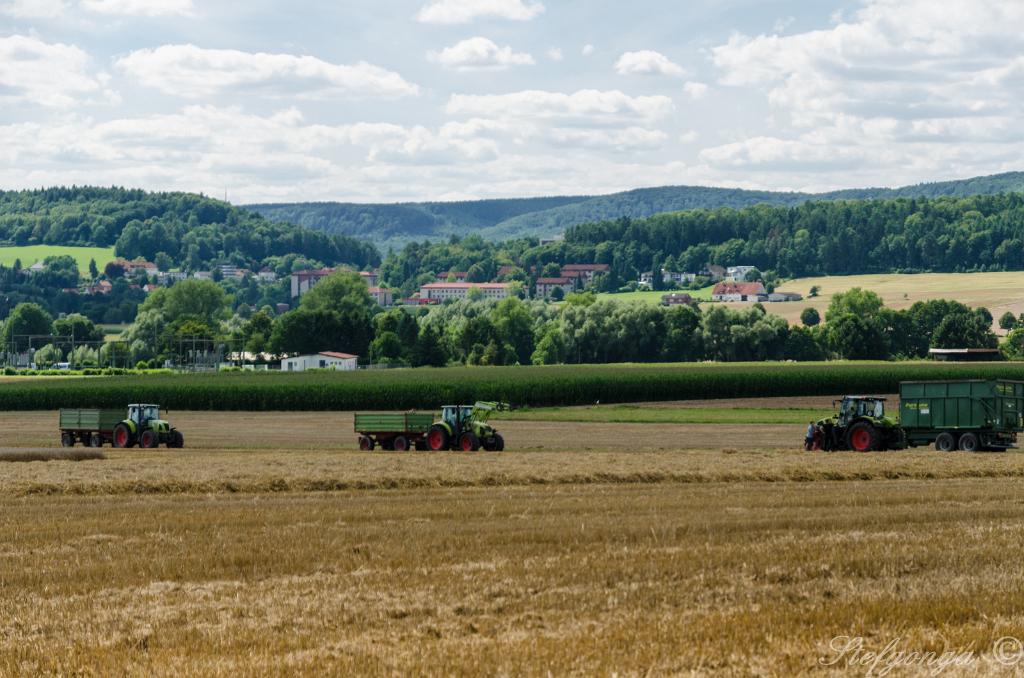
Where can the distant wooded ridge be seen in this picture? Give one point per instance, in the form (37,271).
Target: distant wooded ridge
(394,225)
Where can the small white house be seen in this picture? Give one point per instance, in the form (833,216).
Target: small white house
(325,360)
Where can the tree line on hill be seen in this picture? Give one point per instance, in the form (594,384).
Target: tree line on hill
(193,231)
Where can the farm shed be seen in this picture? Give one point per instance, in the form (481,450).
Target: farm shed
(325,360)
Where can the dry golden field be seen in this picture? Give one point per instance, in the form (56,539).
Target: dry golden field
(270,546)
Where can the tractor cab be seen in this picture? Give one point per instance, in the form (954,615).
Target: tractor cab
(140,414)
(852,408)
(457,417)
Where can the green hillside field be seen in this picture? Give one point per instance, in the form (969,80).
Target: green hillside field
(30,254)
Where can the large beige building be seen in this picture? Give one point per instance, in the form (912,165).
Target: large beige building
(442,291)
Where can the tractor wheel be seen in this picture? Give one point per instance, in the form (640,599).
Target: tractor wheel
(469,442)
(67,440)
(499,442)
(95,440)
(401,444)
(149,439)
(945,442)
(969,442)
(366,443)
(177,439)
(862,437)
(437,438)
(122,436)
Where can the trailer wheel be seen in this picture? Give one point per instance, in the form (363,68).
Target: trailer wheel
(469,442)
(945,442)
(862,437)
(401,444)
(96,440)
(67,440)
(437,438)
(366,443)
(969,442)
(122,436)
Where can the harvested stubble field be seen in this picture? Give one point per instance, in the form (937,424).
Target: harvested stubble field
(269,545)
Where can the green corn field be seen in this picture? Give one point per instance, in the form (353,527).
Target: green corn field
(523,386)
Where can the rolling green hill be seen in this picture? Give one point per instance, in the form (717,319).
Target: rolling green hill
(30,254)
(393,225)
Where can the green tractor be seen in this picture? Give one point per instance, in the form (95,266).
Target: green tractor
(465,427)
(862,425)
(145,428)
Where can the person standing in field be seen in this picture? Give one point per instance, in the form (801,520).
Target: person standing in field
(809,438)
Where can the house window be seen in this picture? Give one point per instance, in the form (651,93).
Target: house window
(323,364)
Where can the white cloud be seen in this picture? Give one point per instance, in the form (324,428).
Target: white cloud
(139,7)
(33,9)
(595,106)
(46,74)
(195,72)
(555,54)
(647,62)
(476,54)
(689,136)
(466,11)
(587,50)
(695,90)
(628,139)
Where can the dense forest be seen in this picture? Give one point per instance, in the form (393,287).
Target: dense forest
(815,238)
(392,226)
(193,230)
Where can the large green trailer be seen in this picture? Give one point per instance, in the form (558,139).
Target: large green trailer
(967,415)
(393,430)
(92,427)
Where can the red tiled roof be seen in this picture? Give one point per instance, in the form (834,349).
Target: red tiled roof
(738,288)
(463,286)
(586,267)
(335,354)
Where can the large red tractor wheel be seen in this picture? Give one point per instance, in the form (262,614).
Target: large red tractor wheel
(862,437)
(469,442)
(122,436)
(366,443)
(149,439)
(437,438)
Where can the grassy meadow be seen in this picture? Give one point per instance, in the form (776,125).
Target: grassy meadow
(30,254)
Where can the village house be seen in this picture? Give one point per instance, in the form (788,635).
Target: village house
(443,291)
(647,278)
(545,286)
(714,272)
(202,275)
(130,267)
(324,360)
(734,291)
(37,267)
(584,272)
(677,299)
(739,273)
(168,277)
(784,296)
(369,277)
(303,281)
(382,296)
(452,276)
(265,275)
(101,287)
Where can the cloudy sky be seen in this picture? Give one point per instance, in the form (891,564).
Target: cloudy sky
(392,100)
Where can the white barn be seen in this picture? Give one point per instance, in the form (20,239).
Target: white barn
(325,360)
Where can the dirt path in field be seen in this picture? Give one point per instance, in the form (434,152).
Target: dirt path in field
(334,431)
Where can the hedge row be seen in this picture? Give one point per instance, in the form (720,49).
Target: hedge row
(534,386)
